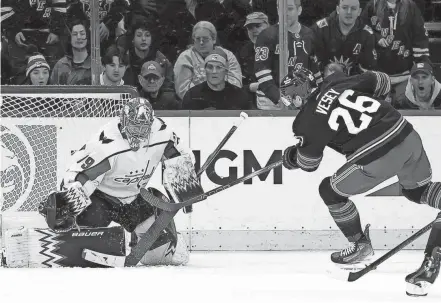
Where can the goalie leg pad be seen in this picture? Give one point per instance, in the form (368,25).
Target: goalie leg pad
(45,248)
(169,249)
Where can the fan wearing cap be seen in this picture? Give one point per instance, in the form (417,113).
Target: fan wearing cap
(152,78)
(216,92)
(37,70)
(255,23)
(141,43)
(189,68)
(423,91)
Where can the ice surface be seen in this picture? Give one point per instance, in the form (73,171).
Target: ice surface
(218,277)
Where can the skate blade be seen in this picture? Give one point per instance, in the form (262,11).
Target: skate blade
(342,272)
(355,266)
(418,290)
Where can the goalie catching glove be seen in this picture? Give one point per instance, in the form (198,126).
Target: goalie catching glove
(62,208)
(296,88)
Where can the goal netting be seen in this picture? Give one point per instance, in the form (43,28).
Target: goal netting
(31,135)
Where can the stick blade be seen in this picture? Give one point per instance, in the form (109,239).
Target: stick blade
(102,259)
(348,274)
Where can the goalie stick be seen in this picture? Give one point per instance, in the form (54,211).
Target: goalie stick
(211,157)
(161,222)
(354,276)
(172,207)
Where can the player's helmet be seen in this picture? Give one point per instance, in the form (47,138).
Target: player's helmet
(136,121)
(298,86)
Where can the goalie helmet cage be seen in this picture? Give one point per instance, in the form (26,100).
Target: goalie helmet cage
(29,136)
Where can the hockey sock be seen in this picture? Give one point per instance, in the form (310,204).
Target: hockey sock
(434,237)
(432,195)
(347,218)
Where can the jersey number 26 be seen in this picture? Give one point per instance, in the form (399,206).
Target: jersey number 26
(358,105)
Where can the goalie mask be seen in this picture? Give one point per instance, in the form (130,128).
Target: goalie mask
(136,121)
(298,86)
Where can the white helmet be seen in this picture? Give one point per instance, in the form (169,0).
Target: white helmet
(136,121)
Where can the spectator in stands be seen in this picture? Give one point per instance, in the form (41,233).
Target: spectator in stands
(174,23)
(423,91)
(400,38)
(141,47)
(228,17)
(39,23)
(300,42)
(110,14)
(343,38)
(152,77)
(75,67)
(216,92)
(189,68)
(255,23)
(115,62)
(37,70)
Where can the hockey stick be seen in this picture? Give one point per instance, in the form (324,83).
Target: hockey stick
(172,207)
(161,222)
(211,157)
(165,217)
(354,276)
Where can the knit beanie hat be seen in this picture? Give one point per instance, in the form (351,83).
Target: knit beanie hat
(35,62)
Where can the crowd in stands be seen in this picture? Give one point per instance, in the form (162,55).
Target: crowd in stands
(218,54)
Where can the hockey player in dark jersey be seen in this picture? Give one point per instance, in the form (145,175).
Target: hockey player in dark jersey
(349,115)
(266,66)
(341,37)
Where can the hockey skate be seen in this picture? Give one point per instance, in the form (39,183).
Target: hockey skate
(357,255)
(418,283)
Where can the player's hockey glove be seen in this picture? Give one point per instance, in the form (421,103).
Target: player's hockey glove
(290,158)
(61,208)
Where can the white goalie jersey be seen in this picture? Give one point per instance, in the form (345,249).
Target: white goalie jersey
(107,163)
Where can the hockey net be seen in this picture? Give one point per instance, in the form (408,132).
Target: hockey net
(29,137)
